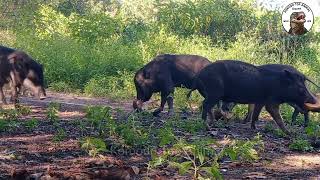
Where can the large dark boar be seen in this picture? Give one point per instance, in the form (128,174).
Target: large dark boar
(280,68)
(240,82)
(20,69)
(163,74)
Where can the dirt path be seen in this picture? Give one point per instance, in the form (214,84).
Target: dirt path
(25,153)
(75,102)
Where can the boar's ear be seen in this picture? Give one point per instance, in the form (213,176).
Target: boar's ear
(288,76)
(16,60)
(12,58)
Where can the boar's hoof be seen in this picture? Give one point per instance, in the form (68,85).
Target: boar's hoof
(157,112)
(208,126)
(170,113)
(14,100)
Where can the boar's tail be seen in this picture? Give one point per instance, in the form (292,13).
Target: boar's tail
(313,82)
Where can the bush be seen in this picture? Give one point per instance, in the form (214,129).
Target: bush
(120,86)
(300,145)
(87,46)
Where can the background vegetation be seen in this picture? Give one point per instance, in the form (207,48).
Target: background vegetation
(94,47)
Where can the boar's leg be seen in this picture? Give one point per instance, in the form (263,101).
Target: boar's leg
(207,105)
(2,97)
(14,92)
(306,118)
(163,102)
(170,104)
(248,117)
(255,114)
(273,109)
(166,96)
(294,116)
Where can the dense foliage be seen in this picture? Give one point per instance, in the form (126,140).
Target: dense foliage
(95,46)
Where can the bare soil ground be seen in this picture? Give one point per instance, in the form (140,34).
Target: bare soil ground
(33,154)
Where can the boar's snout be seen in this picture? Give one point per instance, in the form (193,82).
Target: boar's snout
(311,98)
(137,105)
(313,106)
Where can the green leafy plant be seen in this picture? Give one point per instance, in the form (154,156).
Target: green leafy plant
(132,133)
(300,145)
(82,125)
(100,118)
(60,135)
(93,146)
(3,124)
(23,110)
(244,150)
(10,114)
(191,125)
(52,111)
(269,128)
(201,160)
(166,136)
(31,124)
(313,130)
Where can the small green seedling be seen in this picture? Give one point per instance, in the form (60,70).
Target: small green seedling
(93,146)
(32,124)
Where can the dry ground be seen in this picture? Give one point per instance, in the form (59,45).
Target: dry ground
(33,154)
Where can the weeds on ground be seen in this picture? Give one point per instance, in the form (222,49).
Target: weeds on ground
(201,158)
(300,145)
(133,134)
(191,125)
(100,119)
(31,124)
(93,146)
(60,135)
(9,114)
(269,128)
(166,136)
(52,112)
(23,110)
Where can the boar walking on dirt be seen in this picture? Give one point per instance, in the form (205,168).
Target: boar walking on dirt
(163,74)
(19,69)
(244,83)
(304,110)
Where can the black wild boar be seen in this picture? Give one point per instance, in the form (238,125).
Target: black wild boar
(297,109)
(244,83)
(20,69)
(163,74)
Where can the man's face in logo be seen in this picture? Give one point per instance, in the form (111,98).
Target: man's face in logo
(297,20)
